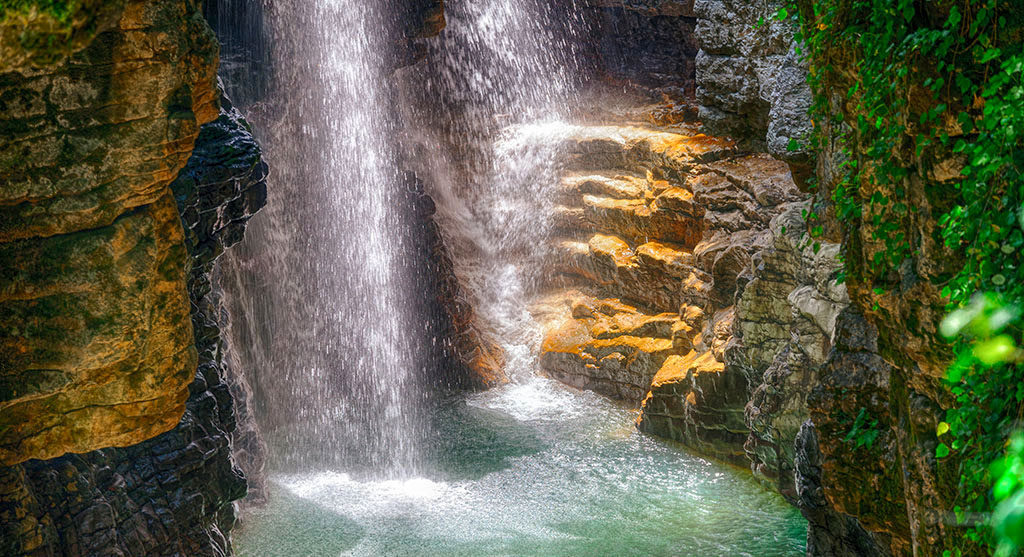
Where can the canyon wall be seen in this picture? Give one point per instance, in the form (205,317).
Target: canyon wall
(110,333)
(860,368)
(651,43)
(883,376)
(754,351)
(111,337)
(94,292)
(172,494)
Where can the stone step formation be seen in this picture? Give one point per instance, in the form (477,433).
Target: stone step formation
(655,225)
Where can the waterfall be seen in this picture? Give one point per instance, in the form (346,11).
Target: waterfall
(491,104)
(319,295)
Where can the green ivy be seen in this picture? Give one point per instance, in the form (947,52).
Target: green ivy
(864,432)
(937,103)
(58,10)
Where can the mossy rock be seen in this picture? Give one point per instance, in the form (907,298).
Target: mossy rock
(40,33)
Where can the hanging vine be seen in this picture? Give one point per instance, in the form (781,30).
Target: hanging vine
(936,94)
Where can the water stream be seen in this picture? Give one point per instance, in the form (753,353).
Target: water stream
(320,293)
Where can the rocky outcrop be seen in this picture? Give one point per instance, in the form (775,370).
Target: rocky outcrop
(751,84)
(170,495)
(110,336)
(454,352)
(880,398)
(658,230)
(786,323)
(646,42)
(94,336)
(850,373)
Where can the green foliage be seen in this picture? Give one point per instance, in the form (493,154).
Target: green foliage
(985,381)
(60,11)
(937,105)
(1008,518)
(864,431)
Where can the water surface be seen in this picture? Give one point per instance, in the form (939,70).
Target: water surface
(530,469)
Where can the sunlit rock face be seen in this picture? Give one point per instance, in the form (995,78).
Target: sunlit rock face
(95,334)
(170,495)
(658,227)
(100,351)
(108,324)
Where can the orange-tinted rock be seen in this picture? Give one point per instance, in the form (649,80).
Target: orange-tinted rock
(108,130)
(95,333)
(695,399)
(667,223)
(96,337)
(606,346)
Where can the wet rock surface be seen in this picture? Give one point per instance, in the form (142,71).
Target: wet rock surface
(94,330)
(657,230)
(172,494)
(455,353)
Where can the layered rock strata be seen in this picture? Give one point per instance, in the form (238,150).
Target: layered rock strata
(110,337)
(787,309)
(94,329)
(751,83)
(170,495)
(850,374)
(658,230)
(646,42)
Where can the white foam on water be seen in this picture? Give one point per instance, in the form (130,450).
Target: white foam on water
(534,399)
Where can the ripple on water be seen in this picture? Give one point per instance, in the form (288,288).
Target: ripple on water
(532,469)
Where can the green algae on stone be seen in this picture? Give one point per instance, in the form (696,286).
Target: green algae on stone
(39,33)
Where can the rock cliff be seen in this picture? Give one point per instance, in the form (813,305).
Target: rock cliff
(684,278)
(92,304)
(828,360)
(172,494)
(110,334)
(879,398)
(751,349)
(645,42)
(751,84)
(657,228)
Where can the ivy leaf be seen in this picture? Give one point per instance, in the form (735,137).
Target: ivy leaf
(954,17)
(942,429)
(995,350)
(908,11)
(990,54)
(942,451)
